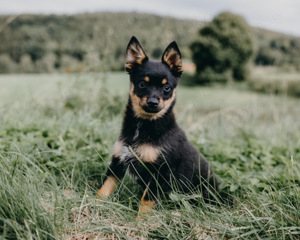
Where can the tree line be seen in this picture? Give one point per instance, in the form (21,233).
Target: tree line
(97,41)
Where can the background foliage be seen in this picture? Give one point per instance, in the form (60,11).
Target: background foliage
(85,42)
(223,49)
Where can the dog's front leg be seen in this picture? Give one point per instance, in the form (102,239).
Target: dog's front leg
(149,199)
(114,174)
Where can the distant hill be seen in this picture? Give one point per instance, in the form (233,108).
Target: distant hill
(97,41)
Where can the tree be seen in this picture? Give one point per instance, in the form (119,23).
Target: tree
(223,49)
(46,64)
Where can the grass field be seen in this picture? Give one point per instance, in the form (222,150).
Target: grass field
(56,136)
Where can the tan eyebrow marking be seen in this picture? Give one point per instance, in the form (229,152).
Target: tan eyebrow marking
(164,81)
(146,79)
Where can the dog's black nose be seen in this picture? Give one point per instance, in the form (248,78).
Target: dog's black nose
(152,102)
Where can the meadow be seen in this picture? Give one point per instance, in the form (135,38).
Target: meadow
(56,137)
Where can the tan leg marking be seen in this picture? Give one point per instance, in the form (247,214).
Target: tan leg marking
(145,206)
(108,187)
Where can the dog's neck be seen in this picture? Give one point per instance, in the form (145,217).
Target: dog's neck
(144,130)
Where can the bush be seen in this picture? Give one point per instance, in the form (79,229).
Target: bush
(293,87)
(35,52)
(7,65)
(266,56)
(224,47)
(210,76)
(26,65)
(276,83)
(46,64)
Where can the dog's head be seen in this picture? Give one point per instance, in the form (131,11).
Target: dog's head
(152,83)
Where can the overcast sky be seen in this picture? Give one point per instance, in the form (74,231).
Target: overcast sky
(278,15)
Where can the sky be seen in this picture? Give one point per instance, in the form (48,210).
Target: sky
(278,15)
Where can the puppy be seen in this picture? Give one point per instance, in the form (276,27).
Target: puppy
(151,145)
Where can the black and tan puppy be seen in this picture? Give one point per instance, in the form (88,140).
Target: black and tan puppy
(151,145)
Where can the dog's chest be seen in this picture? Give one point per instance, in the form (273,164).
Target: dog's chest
(145,152)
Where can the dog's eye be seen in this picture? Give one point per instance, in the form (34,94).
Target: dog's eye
(167,88)
(142,84)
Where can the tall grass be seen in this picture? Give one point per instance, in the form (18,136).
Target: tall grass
(56,140)
(25,213)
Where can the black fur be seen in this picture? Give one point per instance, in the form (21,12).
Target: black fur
(179,167)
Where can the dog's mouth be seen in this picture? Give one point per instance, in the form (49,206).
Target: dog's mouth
(148,109)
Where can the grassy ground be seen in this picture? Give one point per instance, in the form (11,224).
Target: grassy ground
(56,136)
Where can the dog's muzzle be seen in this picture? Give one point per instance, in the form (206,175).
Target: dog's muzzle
(152,105)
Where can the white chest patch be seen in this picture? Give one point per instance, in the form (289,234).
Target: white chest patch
(126,154)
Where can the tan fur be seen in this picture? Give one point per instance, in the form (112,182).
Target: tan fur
(164,81)
(146,79)
(173,60)
(147,152)
(135,55)
(108,187)
(146,205)
(139,111)
(143,101)
(118,149)
(166,105)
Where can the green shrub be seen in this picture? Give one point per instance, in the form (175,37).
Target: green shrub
(224,46)
(293,87)
(276,83)
(7,65)
(208,76)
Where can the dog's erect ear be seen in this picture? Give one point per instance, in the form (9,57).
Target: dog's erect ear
(135,54)
(172,57)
